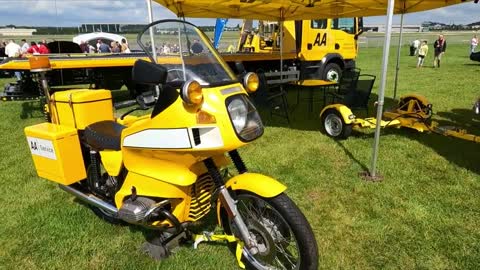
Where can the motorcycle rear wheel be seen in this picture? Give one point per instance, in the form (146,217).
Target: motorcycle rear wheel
(284,237)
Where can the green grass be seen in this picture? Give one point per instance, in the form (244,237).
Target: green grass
(425,214)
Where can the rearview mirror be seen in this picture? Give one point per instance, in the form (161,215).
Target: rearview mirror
(149,73)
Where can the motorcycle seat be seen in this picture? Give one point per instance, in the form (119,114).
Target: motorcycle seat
(104,135)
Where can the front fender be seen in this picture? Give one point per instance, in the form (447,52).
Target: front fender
(344,111)
(259,184)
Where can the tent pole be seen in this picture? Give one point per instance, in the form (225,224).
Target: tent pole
(150,20)
(281,48)
(152,39)
(398,57)
(381,92)
(282,18)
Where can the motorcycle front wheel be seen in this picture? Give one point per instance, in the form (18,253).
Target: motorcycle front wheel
(282,234)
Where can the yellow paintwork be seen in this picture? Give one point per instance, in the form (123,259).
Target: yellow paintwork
(147,161)
(67,167)
(112,161)
(82,107)
(371,122)
(256,183)
(344,111)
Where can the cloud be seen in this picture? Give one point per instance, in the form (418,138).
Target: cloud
(459,14)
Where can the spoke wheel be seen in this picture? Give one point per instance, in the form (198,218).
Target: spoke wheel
(283,237)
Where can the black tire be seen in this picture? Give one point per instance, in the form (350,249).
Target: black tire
(334,125)
(277,224)
(332,72)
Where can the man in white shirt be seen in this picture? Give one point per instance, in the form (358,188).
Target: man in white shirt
(14,50)
(25,46)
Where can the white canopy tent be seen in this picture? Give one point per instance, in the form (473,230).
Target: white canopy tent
(97,35)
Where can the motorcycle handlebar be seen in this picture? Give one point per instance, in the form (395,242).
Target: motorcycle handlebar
(124,104)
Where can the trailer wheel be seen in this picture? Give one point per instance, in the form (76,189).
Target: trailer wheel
(332,72)
(334,126)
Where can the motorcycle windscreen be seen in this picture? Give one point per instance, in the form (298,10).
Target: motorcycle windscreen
(186,52)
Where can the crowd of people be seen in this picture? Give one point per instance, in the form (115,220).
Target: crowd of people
(11,49)
(420,49)
(102,47)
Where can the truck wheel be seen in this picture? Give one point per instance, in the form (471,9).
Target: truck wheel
(334,126)
(332,72)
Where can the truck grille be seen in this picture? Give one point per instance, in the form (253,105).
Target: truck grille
(201,195)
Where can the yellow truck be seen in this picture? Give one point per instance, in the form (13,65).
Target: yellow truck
(321,48)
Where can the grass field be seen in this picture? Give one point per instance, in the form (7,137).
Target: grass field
(424,215)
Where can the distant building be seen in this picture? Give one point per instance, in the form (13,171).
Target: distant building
(17,31)
(395,28)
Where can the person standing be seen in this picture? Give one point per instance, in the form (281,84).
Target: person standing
(473,44)
(422,53)
(439,46)
(104,48)
(42,48)
(2,49)
(84,47)
(14,50)
(124,46)
(25,46)
(33,48)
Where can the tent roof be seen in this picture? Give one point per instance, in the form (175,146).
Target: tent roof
(97,35)
(296,9)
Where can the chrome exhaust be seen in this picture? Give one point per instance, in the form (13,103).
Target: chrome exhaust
(90,199)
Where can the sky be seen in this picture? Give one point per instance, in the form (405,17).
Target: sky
(77,12)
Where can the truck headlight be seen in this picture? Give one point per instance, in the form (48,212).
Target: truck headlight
(245,118)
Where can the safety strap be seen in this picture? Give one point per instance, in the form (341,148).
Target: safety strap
(211,237)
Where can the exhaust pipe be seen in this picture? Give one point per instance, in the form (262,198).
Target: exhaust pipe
(90,199)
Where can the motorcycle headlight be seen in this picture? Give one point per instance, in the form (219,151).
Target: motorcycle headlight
(245,118)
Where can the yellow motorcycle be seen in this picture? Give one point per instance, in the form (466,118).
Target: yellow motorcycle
(166,170)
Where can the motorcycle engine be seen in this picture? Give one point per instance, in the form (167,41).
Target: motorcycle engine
(134,211)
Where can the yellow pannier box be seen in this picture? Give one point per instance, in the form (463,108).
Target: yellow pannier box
(81,107)
(56,152)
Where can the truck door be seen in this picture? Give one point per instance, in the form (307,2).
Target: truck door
(315,40)
(344,32)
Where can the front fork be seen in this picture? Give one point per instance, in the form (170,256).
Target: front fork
(228,202)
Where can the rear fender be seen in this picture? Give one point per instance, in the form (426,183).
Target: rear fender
(345,112)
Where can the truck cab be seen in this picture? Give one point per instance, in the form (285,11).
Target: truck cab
(323,47)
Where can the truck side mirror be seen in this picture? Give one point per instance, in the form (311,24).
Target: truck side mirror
(149,73)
